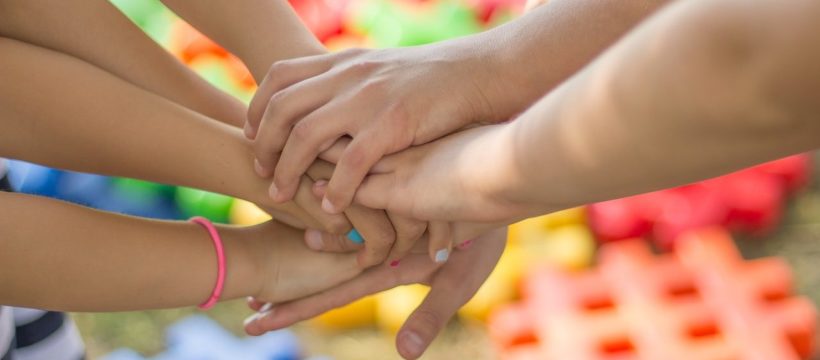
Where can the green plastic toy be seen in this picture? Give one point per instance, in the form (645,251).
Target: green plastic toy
(193,202)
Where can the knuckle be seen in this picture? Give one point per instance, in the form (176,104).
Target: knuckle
(428,319)
(337,225)
(302,131)
(356,157)
(278,68)
(374,88)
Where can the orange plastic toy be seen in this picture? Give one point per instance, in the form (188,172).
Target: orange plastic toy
(703,302)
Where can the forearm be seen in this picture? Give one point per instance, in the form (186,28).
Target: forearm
(96,32)
(260,32)
(87,260)
(541,49)
(94,122)
(691,94)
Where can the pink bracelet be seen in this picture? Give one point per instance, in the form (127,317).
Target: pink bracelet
(220,260)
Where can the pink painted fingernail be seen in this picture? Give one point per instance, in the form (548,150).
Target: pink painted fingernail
(465,245)
(395,263)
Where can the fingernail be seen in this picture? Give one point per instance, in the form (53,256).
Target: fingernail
(412,343)
(355,237)
(314,239)
(328,207)
(259,169)
(442,255)
(320,183)
(273,191)
(265,309)
(248,131)
(252,318)
(395,263)
(465,244)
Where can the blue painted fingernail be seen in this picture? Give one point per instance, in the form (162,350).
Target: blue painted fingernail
(355,237)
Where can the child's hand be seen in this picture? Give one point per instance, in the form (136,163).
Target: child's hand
(451,286)
(288,269)
(386,100)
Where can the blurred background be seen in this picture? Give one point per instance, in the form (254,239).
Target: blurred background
(559,290)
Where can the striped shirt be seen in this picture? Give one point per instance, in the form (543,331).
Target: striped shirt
(30,334)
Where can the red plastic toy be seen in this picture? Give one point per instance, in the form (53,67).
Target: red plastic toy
(751,201)
(703,302)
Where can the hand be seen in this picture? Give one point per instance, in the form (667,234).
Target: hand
(386,100)
(287,268)
(452,285)
(451,179)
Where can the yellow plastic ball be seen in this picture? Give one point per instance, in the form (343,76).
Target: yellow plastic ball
(360,313)
(246,213)
(395,305)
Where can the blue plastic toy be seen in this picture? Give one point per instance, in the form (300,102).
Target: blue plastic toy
(200,338)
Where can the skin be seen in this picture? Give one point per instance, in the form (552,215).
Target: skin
(387,100)
(589,140)
(716,93)
(264,32)
(266,261)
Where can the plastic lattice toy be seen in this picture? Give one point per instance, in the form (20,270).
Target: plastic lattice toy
(702,302)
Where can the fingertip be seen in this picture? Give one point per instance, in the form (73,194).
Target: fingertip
(250,131)
(260,169)
(329,207)
(320,188)
(279,193)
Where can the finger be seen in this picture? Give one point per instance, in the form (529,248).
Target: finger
(285,108)
(373,225)
(441,241)
(369,282)
(353,166)
(254,304)
(408,232)
(334,153)
(376,230)
(281,75)
(424,324)
(334,224)
(322,241)
(377,191)
(302,148)
(450,289)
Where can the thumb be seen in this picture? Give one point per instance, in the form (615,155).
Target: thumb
(424,324)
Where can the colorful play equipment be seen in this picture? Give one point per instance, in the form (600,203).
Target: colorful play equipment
(750,201)
(702,302)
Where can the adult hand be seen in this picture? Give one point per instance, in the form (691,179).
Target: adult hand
(451,286)
(447,179)
(386,100)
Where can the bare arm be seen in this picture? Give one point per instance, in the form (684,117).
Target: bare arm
(61,256)
(701,89)
(96,32)
(95,122)
(260,32)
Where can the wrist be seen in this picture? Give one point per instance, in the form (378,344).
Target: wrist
(243,276)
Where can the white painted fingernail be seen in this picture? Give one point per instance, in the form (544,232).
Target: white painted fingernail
(442,255)
(266,308)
